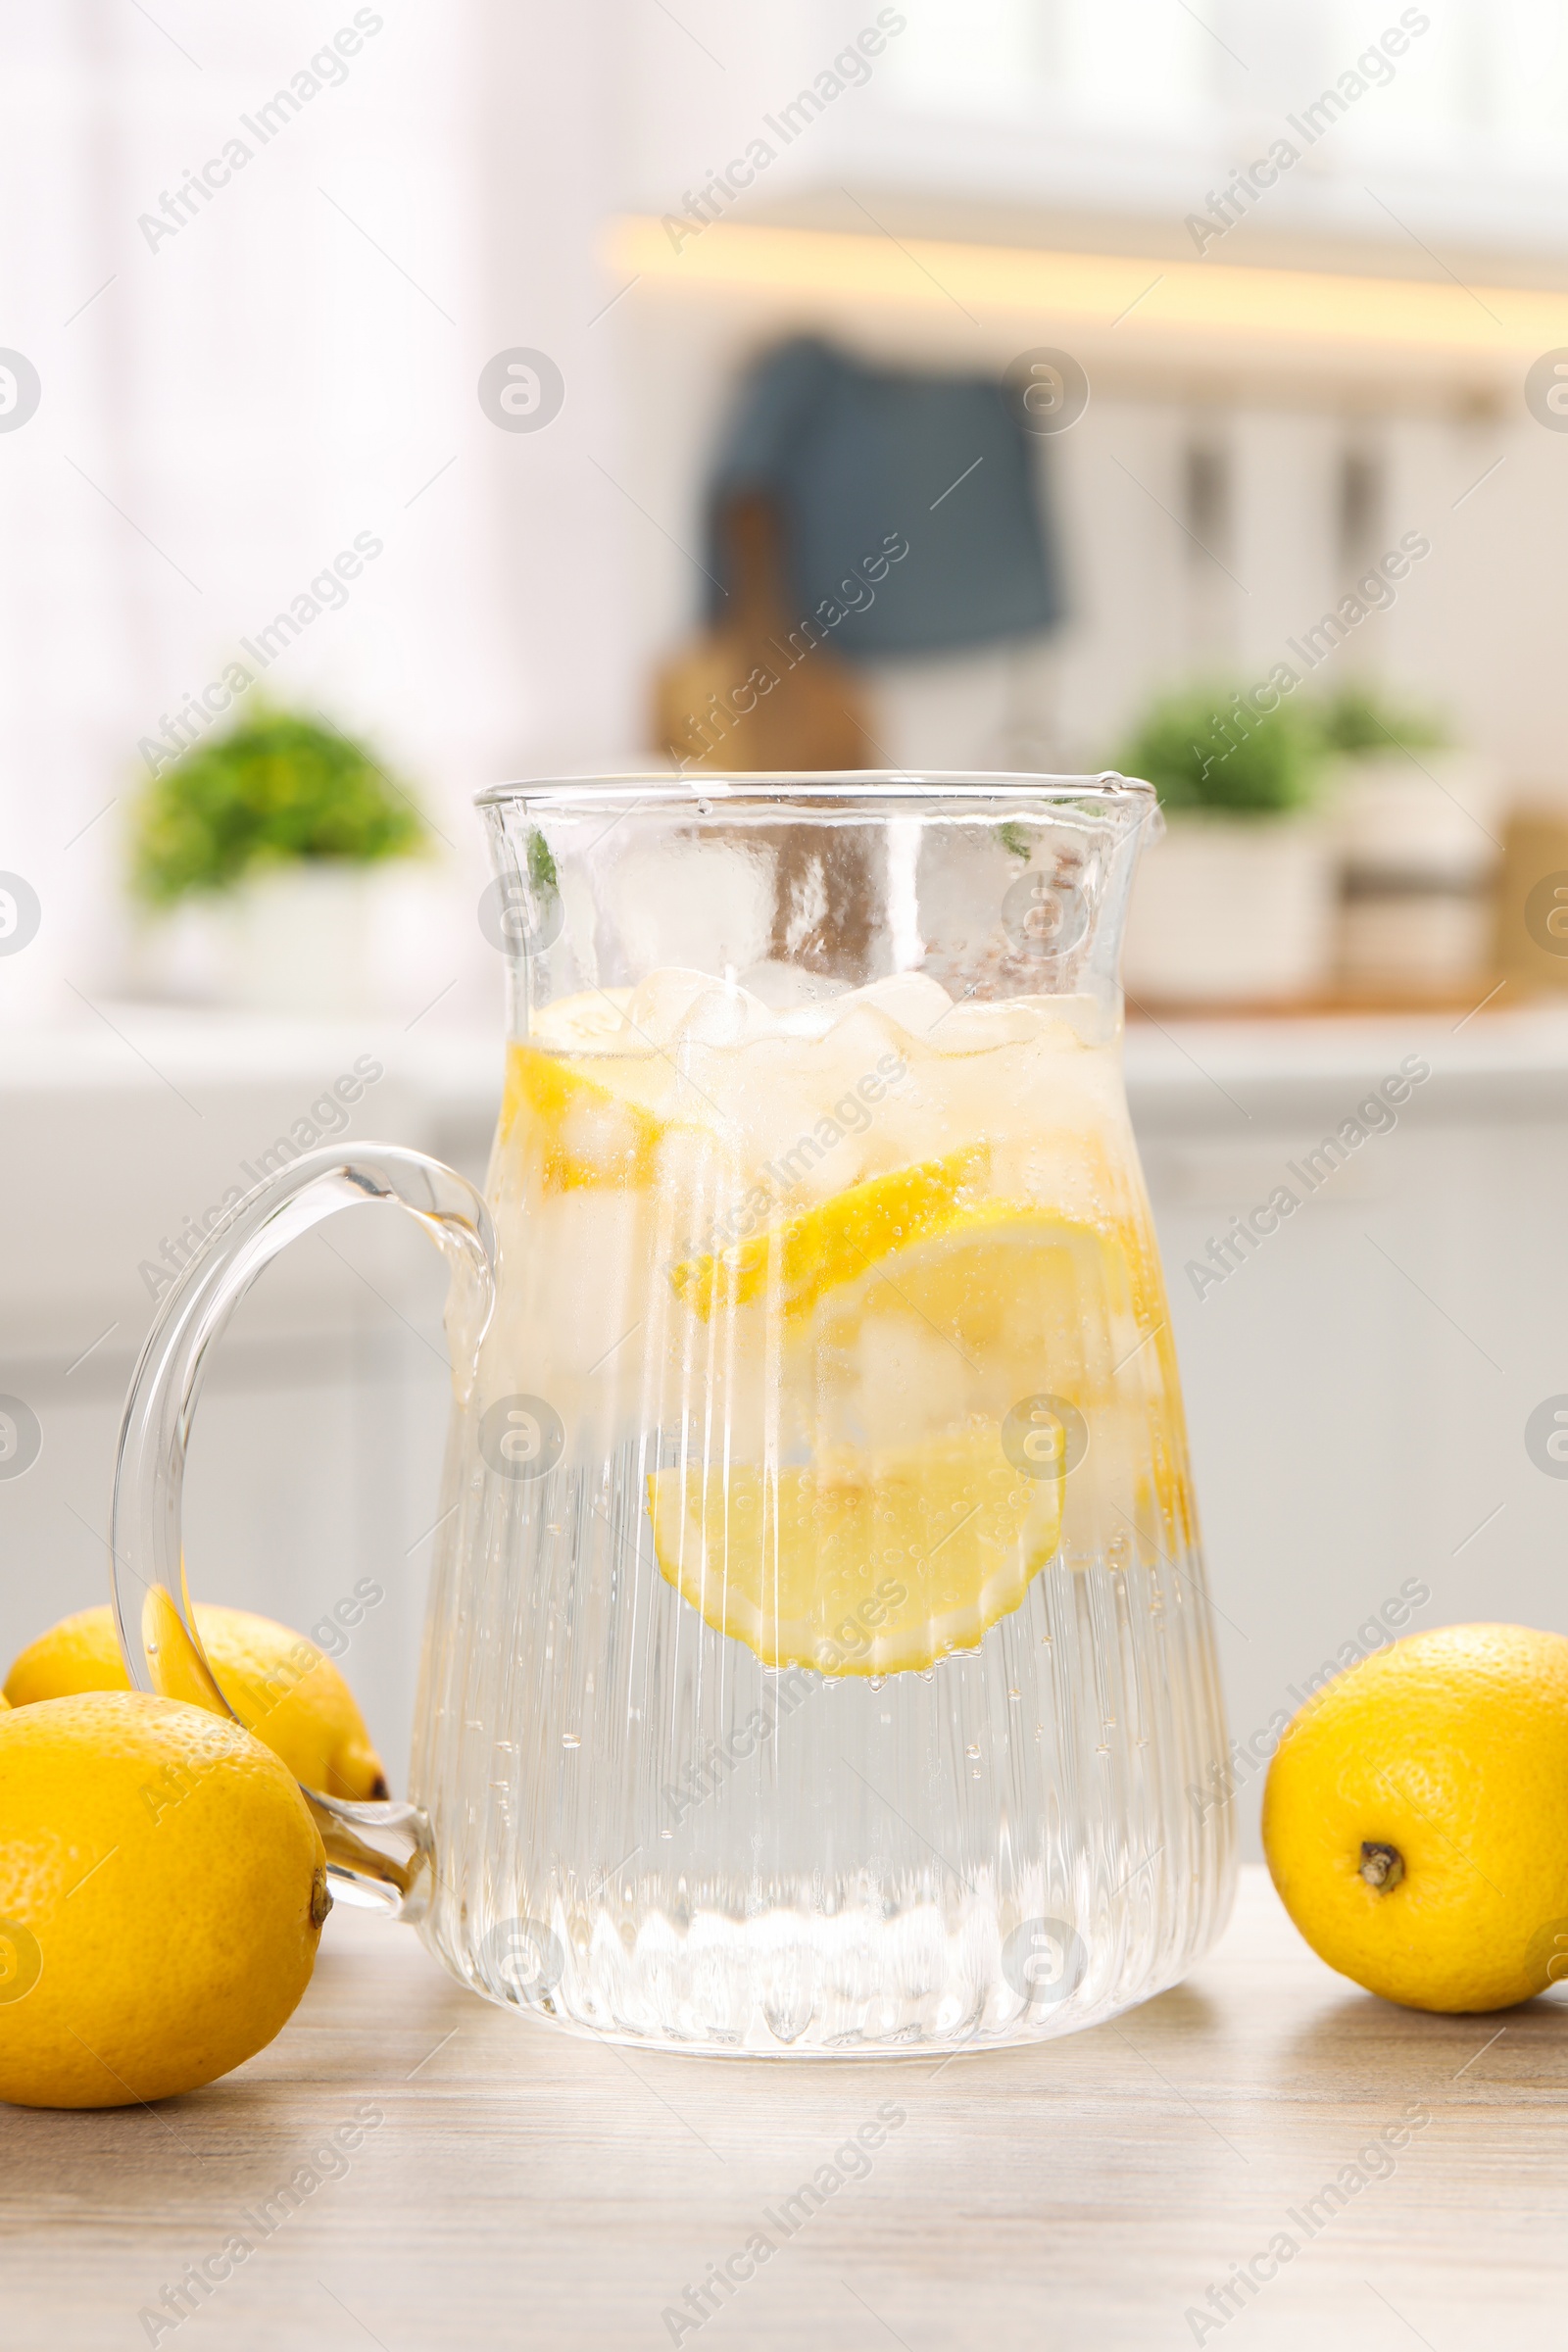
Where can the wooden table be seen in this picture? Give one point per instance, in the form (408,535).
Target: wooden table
(522,2188)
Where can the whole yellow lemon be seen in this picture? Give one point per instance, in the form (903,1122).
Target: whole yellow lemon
(1415,1818)
(289,1693)
(162,1894)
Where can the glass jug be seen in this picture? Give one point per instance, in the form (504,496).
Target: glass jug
(818,1656)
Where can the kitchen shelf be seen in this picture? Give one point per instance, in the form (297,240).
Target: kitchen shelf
(1118,307)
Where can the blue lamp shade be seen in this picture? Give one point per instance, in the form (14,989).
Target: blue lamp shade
(913,517)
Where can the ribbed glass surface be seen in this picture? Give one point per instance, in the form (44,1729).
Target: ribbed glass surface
(819,1657)
(596,1767)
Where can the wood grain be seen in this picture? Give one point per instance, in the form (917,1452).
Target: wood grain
(527,2189)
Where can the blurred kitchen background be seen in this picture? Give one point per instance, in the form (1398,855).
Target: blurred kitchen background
(392,402)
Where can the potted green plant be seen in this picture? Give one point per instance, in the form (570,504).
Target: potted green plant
(273,837)
(1360,722)
(1236,903)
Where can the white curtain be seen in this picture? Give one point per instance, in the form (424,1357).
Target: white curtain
(257,259)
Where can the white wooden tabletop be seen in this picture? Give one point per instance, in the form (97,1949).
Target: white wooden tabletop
(459,2177)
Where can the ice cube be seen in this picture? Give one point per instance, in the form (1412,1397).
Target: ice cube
(911,1001)
(804,1002)
(979,1028)
(724,1014)
(658,1005)
(676,1008)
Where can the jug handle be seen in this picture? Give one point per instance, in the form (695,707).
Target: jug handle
(377,1854)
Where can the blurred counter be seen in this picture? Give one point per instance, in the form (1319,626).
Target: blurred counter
(1481,1060)
(122,1137)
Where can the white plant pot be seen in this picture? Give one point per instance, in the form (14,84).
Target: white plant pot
(1415,941)
(1232,911)
(321,938)
(1435,813)
(1417,835)
(301,941)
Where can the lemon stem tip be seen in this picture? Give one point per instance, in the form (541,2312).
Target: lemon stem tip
(1382,1866)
